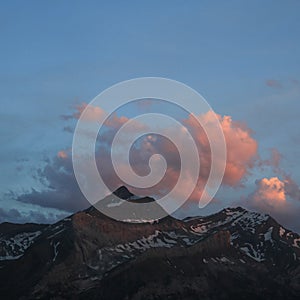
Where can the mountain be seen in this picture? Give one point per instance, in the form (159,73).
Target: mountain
(233,254)
(16,238)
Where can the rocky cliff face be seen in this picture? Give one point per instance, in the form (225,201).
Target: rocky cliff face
(234,253)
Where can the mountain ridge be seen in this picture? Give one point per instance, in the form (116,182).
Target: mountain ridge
(84,254)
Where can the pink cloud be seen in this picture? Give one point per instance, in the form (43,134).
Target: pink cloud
(114,122)
(241,154)
(92,113)
(241,150)
(241,147)
(62,154)
(275,196)
(270,192)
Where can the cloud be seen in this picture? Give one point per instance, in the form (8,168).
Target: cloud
(61,189)
(241,147)
(92,113)
(62,154)
(291,188)
(11,215)
(273,83)
(272,195)
(68,129)
(270,192)
(276,197)
(62,192)
(241,154)
(273,162)
(42,217)
(274,192)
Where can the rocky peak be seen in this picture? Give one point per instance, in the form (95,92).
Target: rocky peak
(123,192)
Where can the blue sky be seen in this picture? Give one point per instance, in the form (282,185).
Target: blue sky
(242,56)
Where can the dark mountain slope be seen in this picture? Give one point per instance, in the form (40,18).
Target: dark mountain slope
(232,254)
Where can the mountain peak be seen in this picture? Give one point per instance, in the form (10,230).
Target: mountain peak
(244,246)
(123,192)
(234,209)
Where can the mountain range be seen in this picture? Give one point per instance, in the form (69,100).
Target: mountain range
(233,254)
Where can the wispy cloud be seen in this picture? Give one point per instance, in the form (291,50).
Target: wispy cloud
(273,83)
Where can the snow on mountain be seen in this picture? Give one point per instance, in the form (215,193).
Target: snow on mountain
(89,247)
(15,239)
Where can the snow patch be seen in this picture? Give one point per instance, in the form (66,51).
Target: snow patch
(15,246)
(268,234)
(281,231)
(252,253)
(55,250)
(296,242)
(56,233)
(115,202)
(200,229)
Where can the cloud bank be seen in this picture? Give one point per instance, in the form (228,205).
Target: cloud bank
(272,195)
(62,191)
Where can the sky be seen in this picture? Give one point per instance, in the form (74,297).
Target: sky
(242,56)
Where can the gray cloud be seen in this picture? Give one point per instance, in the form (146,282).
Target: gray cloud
(32,216)
(61,190)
